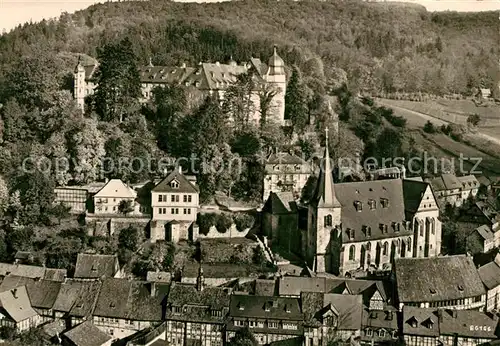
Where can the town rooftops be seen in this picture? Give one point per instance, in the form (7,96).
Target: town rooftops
(92,266)
(380,319)
(348,307)
(116,188)
(485,232)
(42,293)
(33,272)
(86,334)
(128,299)
(439,279)
(77,298)
(265,307)
(176,182)
(490,275)
(16,304)
(419,321)
(197,304)
(372,210)
(467,323)
(447,182)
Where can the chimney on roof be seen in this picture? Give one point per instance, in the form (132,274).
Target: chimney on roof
(440,315)
(217,63)
(14,293)
(179,169)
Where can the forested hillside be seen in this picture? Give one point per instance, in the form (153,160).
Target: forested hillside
(382,47)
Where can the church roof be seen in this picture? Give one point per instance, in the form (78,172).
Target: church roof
(358,215)
(324,195)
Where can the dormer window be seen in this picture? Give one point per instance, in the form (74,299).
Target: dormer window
(174,184)
(287,308)
(432,290)
(94,268)
(384,202)
(241,307)
(351,234)
(358,205)
(460,287)
(413,322)
(112,305)
(372,204)
(381,333)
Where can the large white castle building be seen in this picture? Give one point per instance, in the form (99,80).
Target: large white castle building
(207,77)
(363,226)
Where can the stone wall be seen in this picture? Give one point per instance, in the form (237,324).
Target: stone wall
(232,232)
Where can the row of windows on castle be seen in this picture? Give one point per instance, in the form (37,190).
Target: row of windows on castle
(175,198)
(372,204)
(174,211)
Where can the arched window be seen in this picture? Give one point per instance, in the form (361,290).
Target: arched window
(328,221)
(433,226)
(385,249)
(352,253)
(409,244)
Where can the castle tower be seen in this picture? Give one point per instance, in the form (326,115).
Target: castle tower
(276,77)
(79,86)
(323,217)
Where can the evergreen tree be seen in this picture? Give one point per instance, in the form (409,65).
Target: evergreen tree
(119,86)
(295,102)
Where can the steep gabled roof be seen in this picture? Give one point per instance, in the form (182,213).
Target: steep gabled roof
(127,299)
(324,195)
(116,188)
(42,293)
(413,192)
(86,334)
(185,186)
(92,266)
(439,279)
(77,298)
(16,304)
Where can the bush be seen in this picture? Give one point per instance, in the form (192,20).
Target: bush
(243,221)
(429,127)
(223,222)
(129,238)
(258,258)
(205,221)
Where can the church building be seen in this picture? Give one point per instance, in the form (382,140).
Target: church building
(364,226)
(207,77)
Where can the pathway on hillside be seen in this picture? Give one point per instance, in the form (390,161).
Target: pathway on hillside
(426,117)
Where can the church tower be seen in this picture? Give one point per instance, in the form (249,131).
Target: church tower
(79,86)
(323,217)
(276,77)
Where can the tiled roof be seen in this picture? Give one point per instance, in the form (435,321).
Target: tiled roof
(460,322)
(423,319)
(185,186)
(380,319)
(33,272)
(16,304)
(127,299)
(265,287)
(284,159)
(92,266)
(468,182)
(485,232)
(349,308)
(294,285)
(280,203)
(42,293)
(452,182)
(116,188)
(77,297)
(350,193)
(490,275)
(198,304)
(86,334)
(265,307)
(450,277)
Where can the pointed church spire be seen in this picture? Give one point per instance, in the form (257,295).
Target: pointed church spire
(324,195)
